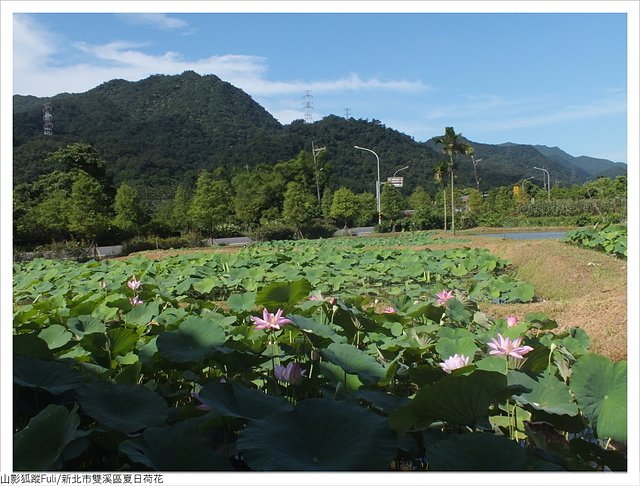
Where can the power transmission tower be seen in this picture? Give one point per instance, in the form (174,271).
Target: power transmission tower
(307,104)
(347,113)
(47,119)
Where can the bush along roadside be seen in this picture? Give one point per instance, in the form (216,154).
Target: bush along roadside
(611,239)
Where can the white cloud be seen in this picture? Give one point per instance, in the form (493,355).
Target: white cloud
(32,46)
(128,61)
(158,20)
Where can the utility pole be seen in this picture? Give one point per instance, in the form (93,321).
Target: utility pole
(315,152)
(475,170)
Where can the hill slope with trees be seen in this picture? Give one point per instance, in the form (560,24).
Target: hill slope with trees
(162,131)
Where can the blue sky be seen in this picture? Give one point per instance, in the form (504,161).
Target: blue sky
(557,79)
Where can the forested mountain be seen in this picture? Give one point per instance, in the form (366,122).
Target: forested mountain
(163,130)
(592,166)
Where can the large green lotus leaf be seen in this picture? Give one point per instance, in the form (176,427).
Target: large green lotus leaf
(385,402)
(319,435)
(205,285)
(39,445)
(314,327)
(123,407)
(183,446)
(234,400)
(576,341)
(194,340)
(336,375)
(447,347)
(457,311)
(142,314)
(476,452)
(242,302)
(31,345)
(283,295)
(600,388)
(53,376)
(55,336)
(456,399)
(547,393)
(354,361)
(522,292)
(122,340)
(492,363)
(82,325)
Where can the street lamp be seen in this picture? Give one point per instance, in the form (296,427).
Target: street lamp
(548,184)
(525,180)
(377,181)
(394,174)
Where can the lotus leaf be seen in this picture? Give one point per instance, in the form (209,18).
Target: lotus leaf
(319,435)
(184,446)
(53,376)
(283,295)
(123,407)
(354,361)
(40,444)
(600,388)
(476,452)
(547,393)
(235,400)
(194,340)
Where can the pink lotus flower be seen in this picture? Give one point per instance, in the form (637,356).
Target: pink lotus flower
(270,321)
(502,346)
(292,373)
(390,310)
(512,321)
(444,296)
(314,298)
(136,300)
(454,362)
(133,284)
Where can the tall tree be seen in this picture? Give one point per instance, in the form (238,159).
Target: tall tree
(452,145)
(88,215)
(344,207)
(78,156)
(128,211)
(299,206)
(180,218)
(211,204)
(440,175)
(392,203)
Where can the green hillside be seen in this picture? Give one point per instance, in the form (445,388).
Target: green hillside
(163,130)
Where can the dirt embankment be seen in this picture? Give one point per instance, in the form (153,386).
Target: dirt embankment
(574,286)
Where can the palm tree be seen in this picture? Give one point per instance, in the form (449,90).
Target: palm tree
(452,145)
(440,175)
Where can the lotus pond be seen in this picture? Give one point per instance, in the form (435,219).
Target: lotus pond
(335,355)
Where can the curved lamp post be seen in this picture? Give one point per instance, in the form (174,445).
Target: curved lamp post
(377,181)
(394,174)
(545,179)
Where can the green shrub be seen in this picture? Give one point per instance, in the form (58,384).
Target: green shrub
(274,230)
(139,243)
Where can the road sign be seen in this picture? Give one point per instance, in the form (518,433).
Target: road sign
(396,181)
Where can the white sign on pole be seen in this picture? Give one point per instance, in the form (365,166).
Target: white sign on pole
(396,181)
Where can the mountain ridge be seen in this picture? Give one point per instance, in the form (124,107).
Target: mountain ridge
(164,129)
